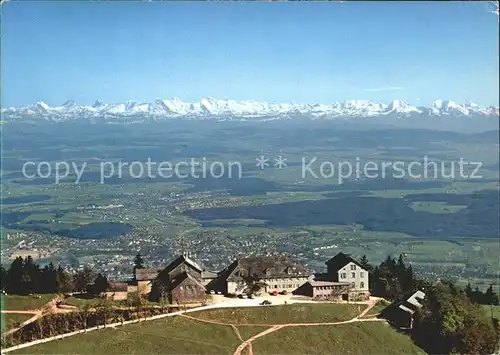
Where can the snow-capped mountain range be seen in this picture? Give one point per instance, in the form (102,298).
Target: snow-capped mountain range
(210,108)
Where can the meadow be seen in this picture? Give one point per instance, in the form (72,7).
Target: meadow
(24,303)
(181,335)
(293,313)
(359,338)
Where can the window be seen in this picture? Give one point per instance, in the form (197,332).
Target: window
(353,267)
(275,286)
(353,285)
(290,285)
(361,284)
(343,275)
(362,274)
(353,274)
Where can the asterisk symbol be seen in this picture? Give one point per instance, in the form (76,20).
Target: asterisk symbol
(262,162)
(280,162)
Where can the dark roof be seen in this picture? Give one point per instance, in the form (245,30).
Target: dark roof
(340,260)
(411,304)
(146,274)
(315,283)
(117,287)
(264,266)
(208,275)
(179,260)
(321,276)
(179,279)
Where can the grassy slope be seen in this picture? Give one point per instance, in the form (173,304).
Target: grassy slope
(179,335)
(81,302)
(22,303)
(294,313)
(357,338)
(496,311)
(247,332)
(173,335)
(379,307)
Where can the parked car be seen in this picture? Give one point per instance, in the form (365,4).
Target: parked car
(265,303)
(212,292)
(251,296)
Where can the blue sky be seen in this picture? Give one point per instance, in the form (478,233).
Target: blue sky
(279,52)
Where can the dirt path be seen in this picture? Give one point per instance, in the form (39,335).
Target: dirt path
(272,328)
(245,344)
(35,311)
(248,343)
(49,307)
(237,332)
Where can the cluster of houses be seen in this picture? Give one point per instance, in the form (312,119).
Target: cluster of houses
(184,281)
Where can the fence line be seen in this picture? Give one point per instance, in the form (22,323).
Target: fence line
(111,325)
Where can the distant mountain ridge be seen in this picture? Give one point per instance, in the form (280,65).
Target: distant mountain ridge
(210,108)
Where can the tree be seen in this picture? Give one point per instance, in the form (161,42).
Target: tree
(32,277)
(478,296)
(163,296)
(83,315)
(4,278)
(365,264)
(139,301)
(254,283)
(450,323)
(104,310)
(490,297)
(16,278)
(63,281)
(49,278)
(405,276)
(390,265)
(138,262)
(468,291)
(100,285)
(82,279)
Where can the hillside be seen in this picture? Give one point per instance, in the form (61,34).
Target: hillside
(359,338)
(227,331)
